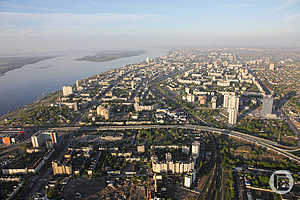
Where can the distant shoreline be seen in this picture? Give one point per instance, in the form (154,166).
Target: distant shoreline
(10,112)
(38,101)
(22,61)
(111,55)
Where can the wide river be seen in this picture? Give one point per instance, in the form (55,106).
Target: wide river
(25,85)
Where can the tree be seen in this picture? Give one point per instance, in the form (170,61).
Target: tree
(52,193)
(23,150)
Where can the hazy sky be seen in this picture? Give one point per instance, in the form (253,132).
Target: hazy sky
(51,25)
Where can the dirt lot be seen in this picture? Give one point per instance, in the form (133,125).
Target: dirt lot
(88,188)
(181,194)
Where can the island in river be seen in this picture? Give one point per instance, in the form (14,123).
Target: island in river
(112,55)
(11,63)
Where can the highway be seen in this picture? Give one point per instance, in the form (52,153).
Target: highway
(270,145)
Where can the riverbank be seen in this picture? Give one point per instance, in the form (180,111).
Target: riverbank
(50,98)
(110,55)
(25,85)
(11,63)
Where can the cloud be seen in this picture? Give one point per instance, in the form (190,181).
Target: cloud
(293,18)
(287,4)
(9,5)
(45,24)
(292,21)
(69,18)
(291,2)
(238,5)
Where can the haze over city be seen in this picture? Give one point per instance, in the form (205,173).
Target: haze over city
(75,25)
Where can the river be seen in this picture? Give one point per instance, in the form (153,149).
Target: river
(22,86)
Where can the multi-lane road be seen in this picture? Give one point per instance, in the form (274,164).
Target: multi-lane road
(270,145)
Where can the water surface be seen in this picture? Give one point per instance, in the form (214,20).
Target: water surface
(25,85)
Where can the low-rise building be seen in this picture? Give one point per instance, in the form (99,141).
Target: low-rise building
(67,90)
(61,168)
(141,148)
(140,108)
(103,112)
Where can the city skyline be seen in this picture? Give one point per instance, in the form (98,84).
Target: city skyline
(93,25)
(170,123)
(149,100)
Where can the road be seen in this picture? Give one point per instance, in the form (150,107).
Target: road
(39,182)
(270,145)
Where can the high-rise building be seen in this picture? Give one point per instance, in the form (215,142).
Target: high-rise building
(53,136)
(40,138)
(233,103)
(172,166)
(196,148)
(147,60)
(272,66)
(37,140)
(49,144)
(67,90)
(214,102)
(77,84)
(189,179)
(226,101)
(232,119)
(267,106)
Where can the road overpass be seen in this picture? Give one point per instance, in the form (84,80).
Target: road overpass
(270,145)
